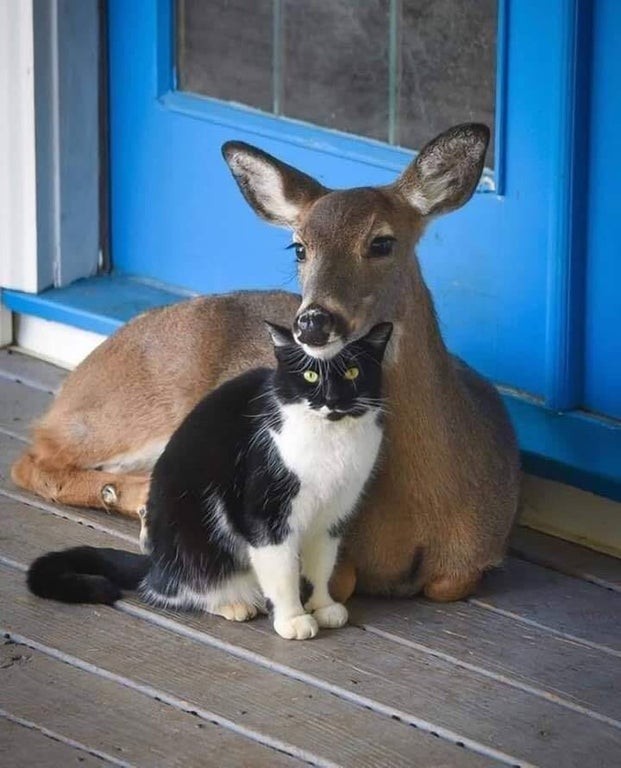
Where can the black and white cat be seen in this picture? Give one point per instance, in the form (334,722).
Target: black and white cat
(250,496)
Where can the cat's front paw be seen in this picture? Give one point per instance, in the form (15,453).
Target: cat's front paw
(331,616)
(300,627)
(237,611)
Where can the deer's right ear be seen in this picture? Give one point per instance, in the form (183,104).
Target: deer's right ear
(275,190)
(446,171)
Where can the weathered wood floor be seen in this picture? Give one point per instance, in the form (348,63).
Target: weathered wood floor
(528,673)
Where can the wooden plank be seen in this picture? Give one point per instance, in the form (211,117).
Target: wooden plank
(525,657)
(107,717)
(545,597)
(566,557)
(406,682)
(15,366)
(23,747)
(305,721)
(19,405)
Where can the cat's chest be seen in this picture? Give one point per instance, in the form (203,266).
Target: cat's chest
(327,457)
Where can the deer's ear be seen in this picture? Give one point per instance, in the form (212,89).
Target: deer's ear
(275,190)
(446,171)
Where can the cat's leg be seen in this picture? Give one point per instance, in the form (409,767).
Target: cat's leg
(278,571)
(319,554)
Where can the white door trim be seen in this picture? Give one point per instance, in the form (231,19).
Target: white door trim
(18,194)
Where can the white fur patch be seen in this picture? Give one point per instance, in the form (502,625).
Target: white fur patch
(332,459)
(329,350)
(241,588)
(141,460)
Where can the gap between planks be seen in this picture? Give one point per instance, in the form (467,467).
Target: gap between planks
(438,751)
(266,663)
(64,739)
(173,701)
(362,701)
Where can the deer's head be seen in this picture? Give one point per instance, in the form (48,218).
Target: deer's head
(354,246)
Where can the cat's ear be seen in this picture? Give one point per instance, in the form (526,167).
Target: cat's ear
(378,337)
(281,336)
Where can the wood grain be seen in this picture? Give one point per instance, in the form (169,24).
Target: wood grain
(36,374)
(566,557)
(409,682)
(227,688)
(19,405)
(22,747)
(110,718)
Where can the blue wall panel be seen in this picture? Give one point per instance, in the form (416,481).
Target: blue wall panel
(602,373)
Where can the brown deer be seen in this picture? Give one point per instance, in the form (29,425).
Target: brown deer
(441,506)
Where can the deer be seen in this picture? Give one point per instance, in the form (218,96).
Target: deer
(440,508)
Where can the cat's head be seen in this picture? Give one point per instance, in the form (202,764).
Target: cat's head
(348,384)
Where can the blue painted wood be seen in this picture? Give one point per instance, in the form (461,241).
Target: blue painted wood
(566,261)
(178,217)
(575,448)
(99,304)
(602,370)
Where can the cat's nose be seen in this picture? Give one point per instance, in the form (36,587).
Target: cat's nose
(332,401)
(313,326)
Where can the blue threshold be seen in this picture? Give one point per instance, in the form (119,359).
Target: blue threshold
(573,447)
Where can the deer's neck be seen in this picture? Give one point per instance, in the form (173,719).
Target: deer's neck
(420,378)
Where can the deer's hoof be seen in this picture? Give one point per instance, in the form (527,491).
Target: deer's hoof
(109,495)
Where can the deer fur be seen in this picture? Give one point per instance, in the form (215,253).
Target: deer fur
(440,510)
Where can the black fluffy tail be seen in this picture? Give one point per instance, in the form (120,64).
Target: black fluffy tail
(86,574)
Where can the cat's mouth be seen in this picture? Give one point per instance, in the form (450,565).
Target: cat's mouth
(337,415)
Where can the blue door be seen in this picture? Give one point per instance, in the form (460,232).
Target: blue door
(508,272)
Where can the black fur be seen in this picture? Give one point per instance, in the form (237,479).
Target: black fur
(218,466)
(86,574)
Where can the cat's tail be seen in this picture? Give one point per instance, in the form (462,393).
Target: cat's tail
(86,574)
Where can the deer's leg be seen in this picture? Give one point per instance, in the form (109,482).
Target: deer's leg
(66,484)
(447,589)
(343,580)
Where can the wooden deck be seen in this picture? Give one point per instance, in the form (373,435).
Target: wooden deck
(526,674)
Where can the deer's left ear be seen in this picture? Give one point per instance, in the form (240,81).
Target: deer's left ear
(275,190)
(446,171)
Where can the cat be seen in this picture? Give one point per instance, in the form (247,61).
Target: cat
(249,500)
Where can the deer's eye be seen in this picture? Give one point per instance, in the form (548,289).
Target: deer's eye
(382,246)
(311,376)
(351,373)
(300,251)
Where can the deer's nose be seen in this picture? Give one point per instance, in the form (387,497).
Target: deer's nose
(313,326)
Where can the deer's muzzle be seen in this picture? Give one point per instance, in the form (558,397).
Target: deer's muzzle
(313,326)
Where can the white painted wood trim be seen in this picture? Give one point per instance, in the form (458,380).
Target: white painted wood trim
(6,326)
(572,514)
(18,194)
(49,142)
(56,343)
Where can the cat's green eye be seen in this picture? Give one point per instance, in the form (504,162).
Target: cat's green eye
(311,376)
(351,373)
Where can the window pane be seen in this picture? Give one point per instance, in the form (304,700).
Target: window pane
(335,64)
(400,71)
(448,67)
(225,49)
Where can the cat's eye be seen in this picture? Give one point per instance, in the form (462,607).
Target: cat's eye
(351,373)
(382,246)
(300,251)
(311,376)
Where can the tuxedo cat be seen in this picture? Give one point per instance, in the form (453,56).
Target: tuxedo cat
(250,497)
